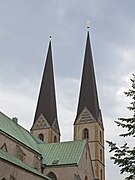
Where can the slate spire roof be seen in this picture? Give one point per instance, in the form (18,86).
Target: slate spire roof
(47,99)
(88,92)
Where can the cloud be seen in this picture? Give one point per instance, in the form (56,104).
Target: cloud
(67,92)
(17,101)
(24,30)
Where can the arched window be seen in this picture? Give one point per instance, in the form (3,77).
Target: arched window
(85,134)
(41,137)
(100,154)
(86,178)
(55,139)
(101,175)
(3,179)
(52,176)
(100,137)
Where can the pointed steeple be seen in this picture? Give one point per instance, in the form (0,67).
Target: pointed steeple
(88,92)
(47,101)
(88,123)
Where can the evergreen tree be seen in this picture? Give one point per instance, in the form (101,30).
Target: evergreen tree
(124,156)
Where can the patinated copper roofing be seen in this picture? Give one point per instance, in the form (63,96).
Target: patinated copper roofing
(18,133)
(64,153)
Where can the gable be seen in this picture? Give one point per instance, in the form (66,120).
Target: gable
(4,147)
(85,168)
(41,123)
(19,153)
(55,126)
(85,117)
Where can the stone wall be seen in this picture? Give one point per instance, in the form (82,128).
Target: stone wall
(13,147)
(61,172)
(85,168)
(96,145)
(8,170)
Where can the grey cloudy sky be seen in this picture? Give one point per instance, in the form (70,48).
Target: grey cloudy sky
(25,26)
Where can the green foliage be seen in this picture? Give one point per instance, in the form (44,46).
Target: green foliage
(124,156)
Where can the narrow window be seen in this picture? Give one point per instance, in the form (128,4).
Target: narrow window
(86,155)
(41,137)
(55,139)
(86,178)
(85,134)
(101,174)
(100,137)
(100,154)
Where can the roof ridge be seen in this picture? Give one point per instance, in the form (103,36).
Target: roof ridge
(84,143)
(17,124)
(63,142)
(18,133)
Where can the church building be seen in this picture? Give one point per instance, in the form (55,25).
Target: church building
(39,154)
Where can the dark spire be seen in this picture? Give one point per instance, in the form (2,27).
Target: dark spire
(47,100)
(88,92)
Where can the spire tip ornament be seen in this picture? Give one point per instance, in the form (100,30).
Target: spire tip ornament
(88,23)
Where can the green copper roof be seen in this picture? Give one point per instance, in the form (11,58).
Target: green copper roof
(17,132)
(38,141)
(64,153)
(8,157)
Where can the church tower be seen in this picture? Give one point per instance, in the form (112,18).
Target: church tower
(45,125)
(88,122)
